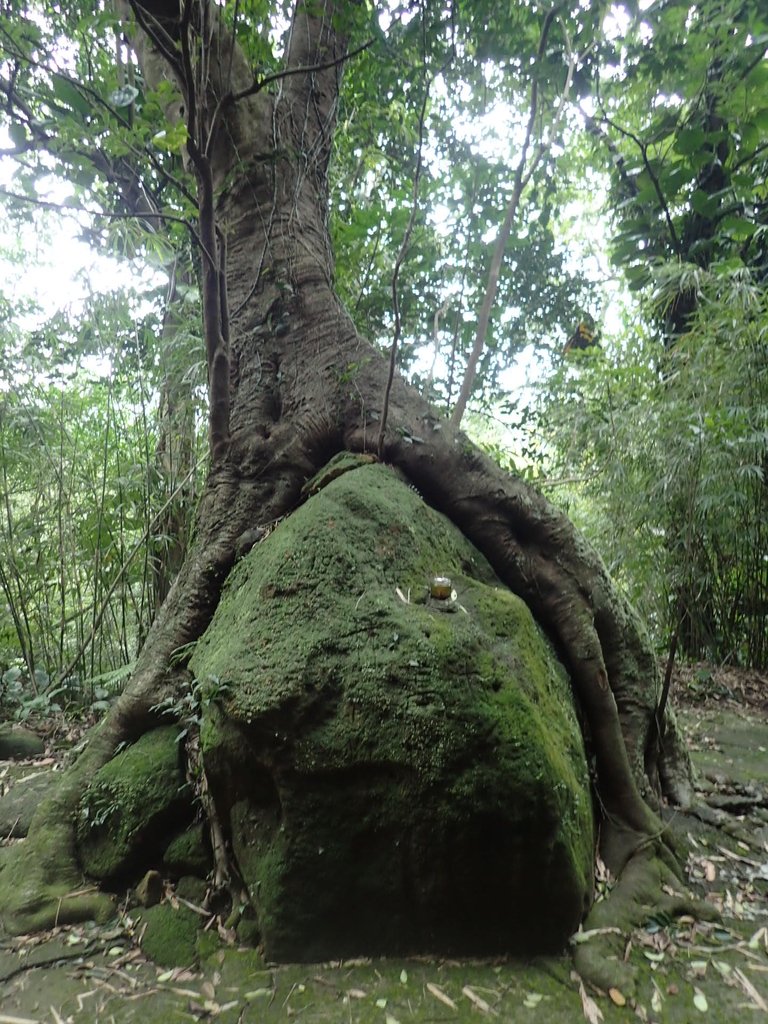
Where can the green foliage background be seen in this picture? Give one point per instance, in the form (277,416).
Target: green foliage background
(647,215)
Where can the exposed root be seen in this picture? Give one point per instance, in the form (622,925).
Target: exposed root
(646,889)
(41,885)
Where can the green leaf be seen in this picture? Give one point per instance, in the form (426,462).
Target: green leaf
(703,203)
(18,134)
(738,228)
(760,120)
(690,140)
(673,180)
(171,139)
(67,93)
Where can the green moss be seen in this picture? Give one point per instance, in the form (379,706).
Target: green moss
(191,888)
(189,853)
(131,803)
(169,936)
(40,886)
(208,944)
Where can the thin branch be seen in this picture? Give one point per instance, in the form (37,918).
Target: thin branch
(652,175)
(262,83)
(159,37)
(47,204)
(81,87)
(124,567)
(521,179)
(750,156)
(404,248)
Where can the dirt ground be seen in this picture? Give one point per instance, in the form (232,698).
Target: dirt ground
(687,970)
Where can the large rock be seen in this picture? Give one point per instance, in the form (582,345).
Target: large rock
(18,805)
(18,743)
(397,777)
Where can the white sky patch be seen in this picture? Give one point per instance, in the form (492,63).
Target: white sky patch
(60,272)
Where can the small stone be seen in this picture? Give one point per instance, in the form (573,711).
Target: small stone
(149,891)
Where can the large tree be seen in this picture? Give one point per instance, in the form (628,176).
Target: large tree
(291,383)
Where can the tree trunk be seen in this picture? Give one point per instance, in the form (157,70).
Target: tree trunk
(304,385)
(175,451)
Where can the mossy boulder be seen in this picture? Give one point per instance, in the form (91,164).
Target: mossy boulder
(169,935)
(189,853)
(18,743)
(398,774)
(18,805)
(131,807)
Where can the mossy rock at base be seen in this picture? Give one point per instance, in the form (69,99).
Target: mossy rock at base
(191,888)
(189,853)
(40,885)
(18,743)
(19,804)
(169,935)
(130,807)
(397,774)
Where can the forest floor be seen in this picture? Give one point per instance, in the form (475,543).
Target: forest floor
(687,970)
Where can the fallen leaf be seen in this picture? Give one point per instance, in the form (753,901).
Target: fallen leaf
(479,1002)
(617,997)
(700,1000)
(257,993)
(438,993)
(750,989)
(532,1000)
(381,1003)
(403,976)
(391,1020)
(356,993)
(592,1011)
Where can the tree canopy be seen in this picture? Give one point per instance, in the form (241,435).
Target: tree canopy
(656,107)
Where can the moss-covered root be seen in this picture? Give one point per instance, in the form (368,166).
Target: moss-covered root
(647,888)
(41,884)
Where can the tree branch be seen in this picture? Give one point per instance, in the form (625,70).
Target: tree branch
(652,175)
(521,179)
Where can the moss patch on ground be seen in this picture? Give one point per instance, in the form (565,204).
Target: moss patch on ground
(679,983)
(169,934)
(686,970)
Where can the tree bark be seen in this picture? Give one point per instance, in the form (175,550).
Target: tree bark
(304,385)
